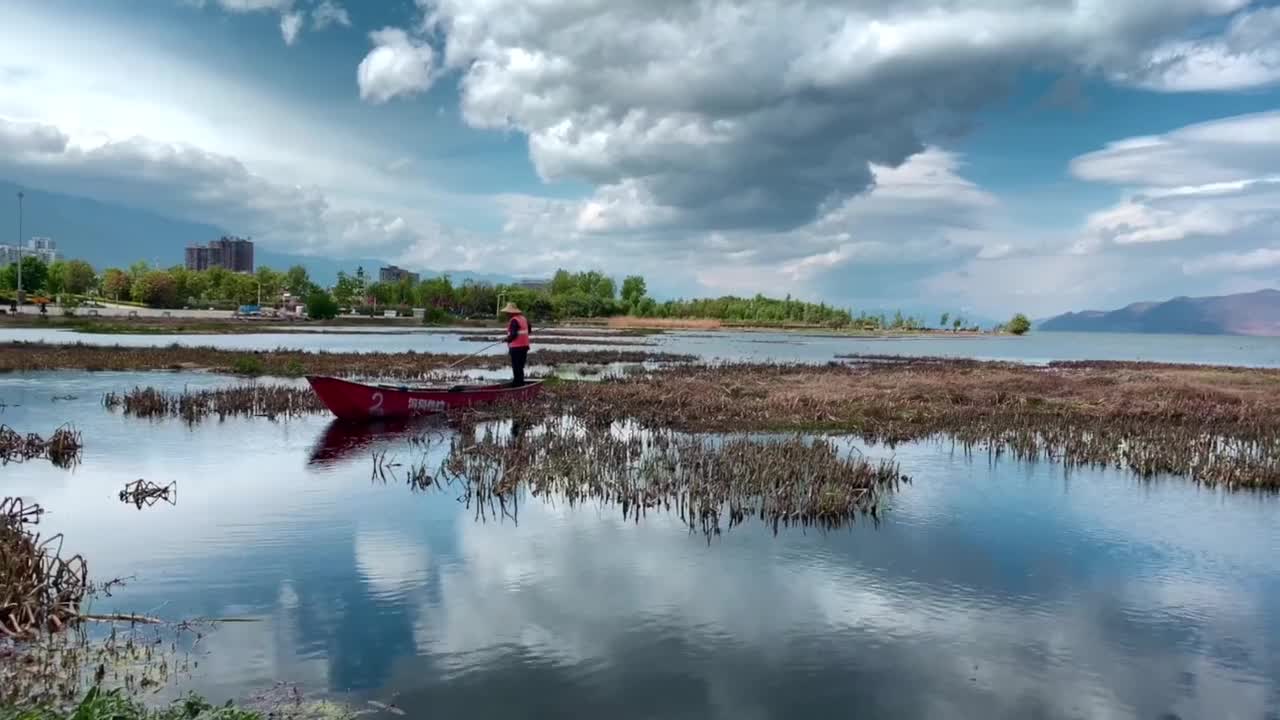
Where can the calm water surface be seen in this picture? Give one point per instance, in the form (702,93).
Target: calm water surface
(987,591)
(753,346)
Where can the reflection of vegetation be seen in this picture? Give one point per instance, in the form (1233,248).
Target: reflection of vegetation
(710,483)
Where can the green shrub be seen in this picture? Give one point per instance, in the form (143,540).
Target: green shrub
(294,368)
(321,306)
(1019,325)
(247,365)
(436,316)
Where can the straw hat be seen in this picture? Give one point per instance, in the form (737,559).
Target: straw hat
(511,309)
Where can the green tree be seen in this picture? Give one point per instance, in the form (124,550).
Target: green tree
(1018,325)
(116,284)
(35,275)
(382,293)
(959,322)
(138,269)
(477,299)
(321,306)
(271,283)
(633,289)
(241,289)
(156,288)
(298,282)
(347,289)
(562,283)
(79,277)
(57,278)
(942,322)
(438,293)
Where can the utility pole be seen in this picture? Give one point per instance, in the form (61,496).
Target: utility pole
(20,298)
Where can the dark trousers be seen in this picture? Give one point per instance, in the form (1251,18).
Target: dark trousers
(518,356)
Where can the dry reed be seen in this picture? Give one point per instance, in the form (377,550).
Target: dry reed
(20,356)
(1216,426)
(39,590)
(62,448)
(256,400)
(576,339)
(709,483)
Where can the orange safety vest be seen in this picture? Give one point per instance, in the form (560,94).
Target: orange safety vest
(522,335)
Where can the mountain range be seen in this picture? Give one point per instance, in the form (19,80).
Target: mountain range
(1255,313)
(109,235)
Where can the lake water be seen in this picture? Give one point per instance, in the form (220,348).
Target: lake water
(1003,590)
(752,346)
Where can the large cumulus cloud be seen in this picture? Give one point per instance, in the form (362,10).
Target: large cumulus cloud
(210,187)
(729,115)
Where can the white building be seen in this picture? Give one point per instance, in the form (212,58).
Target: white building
(42,247)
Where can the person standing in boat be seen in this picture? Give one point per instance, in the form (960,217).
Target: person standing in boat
(517,342)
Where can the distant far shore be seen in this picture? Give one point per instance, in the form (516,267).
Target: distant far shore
(177,323)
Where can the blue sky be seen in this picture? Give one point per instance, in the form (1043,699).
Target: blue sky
(979,156)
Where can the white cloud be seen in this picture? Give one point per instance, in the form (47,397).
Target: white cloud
(724,115)
(398,65)
(391,562)
(199,185)
(328,13)
(1209,189)
(1220,151)
(1251,261)
(291,26)
(1246,56)
(293,13)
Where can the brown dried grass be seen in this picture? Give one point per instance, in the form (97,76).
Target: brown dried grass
(1217,426)
(629,322)
(39,590)
(405,365)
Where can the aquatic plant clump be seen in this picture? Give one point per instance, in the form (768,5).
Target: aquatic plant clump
(39,589)
(142,492)
(271,401)
(709,483)
(1217,426)
(62,448)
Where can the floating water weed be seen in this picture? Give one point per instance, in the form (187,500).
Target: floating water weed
(141,492)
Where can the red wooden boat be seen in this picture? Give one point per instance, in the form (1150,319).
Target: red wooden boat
(359,401)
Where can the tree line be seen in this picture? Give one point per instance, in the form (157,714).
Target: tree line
(588,294)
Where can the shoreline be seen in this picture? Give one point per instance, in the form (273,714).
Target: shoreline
(1215,425)
(38,356)
(153,325)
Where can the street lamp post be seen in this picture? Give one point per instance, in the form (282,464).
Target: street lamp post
(20,298)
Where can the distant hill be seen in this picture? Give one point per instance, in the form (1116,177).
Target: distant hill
(1255,313)
(109,235)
